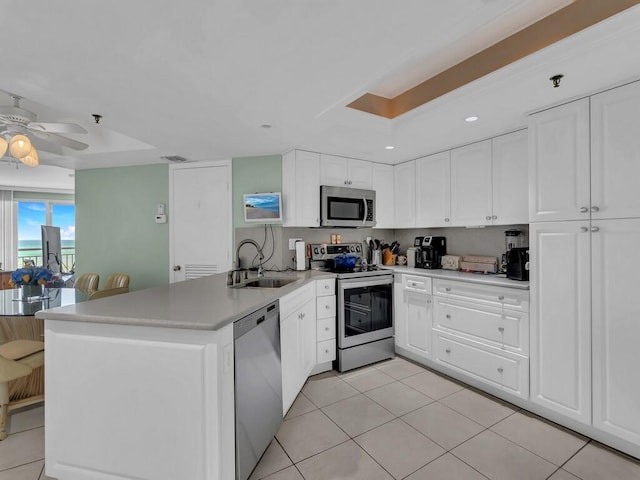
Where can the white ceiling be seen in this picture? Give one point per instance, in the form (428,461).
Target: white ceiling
(197,78)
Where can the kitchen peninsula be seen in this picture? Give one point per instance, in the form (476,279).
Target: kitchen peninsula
(141,386)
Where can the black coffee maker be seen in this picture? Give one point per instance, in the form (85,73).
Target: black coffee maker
(431,250)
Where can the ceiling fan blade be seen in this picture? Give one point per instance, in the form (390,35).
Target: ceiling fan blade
(56,127)
(59,139)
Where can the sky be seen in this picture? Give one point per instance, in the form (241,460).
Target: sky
(31,215)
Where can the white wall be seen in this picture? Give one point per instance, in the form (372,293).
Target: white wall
(42,177)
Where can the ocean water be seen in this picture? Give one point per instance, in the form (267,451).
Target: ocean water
(264,201)
(33,248)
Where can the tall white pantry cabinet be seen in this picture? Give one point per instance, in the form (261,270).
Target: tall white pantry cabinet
(585,307)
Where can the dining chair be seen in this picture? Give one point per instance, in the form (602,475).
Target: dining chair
(108,292)
(21,370)
(87,283)
(117,280)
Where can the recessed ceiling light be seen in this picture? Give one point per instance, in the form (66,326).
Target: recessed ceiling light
(266,125)
(471,119)
(389,147)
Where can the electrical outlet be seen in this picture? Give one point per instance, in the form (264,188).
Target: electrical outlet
(292,243)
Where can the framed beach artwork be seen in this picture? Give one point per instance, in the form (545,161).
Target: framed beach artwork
(263,207)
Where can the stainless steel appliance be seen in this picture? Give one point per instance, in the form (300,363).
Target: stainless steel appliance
(364,297)
(518,263)
(432,249)
(258,385)
(347,207)
(512,239)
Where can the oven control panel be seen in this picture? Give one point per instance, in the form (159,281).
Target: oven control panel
(324,251)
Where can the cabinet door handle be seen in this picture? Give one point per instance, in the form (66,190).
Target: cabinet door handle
(595,209)
(326,329)
(326,287)
(584,209)
(488,217)
(446,219)
(326,350)
(595,229)
(448,350)
(500,370)
(327,307)
(501,329)
(584,229)
(447,289)
(447,316)
(501,297)
(494,217)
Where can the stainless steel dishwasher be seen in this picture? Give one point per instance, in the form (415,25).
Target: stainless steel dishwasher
(258,383)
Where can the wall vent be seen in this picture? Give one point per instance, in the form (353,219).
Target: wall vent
(174,158)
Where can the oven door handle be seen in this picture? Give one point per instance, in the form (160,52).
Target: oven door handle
(346,283)
(366,210)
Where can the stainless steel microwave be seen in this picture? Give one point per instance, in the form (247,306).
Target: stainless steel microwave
(347,207)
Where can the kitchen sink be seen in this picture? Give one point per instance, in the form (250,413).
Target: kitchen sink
(270,282)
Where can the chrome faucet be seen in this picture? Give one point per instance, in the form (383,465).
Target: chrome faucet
(258,248)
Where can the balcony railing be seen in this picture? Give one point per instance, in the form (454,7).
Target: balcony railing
(68,260)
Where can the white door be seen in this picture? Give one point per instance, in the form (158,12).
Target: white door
(200,219)
(560,353)
(418,328)
(559,163)
(290,358)
(510,185)
(382,176)
(405,194)
(334,171)
(616,327)
(615,153)
(471,192)
(308,335)
(360,172)
(433,190)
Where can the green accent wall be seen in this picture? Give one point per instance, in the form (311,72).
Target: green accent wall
(115,226)
(254,175)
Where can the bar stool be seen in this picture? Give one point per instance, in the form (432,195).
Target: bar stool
(18,359)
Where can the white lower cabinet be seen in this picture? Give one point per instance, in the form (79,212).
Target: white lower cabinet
(560,276)
(616,327)
(483,331)
(297,341)
(139,402)
(499,368)
(326,324)
(413,316)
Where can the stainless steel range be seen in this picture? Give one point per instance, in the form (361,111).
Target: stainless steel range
(364,306)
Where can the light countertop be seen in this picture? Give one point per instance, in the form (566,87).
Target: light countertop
(201,304)
(495,280)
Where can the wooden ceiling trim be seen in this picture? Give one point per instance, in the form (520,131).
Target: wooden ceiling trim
(559,25)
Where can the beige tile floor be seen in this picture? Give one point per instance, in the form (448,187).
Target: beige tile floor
(394,420)
(398,420)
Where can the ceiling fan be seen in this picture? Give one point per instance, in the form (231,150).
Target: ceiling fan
(18,124)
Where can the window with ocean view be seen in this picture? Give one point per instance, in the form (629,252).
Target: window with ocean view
(34,213)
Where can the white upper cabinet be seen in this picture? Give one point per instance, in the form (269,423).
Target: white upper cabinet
(301,189)
(433,191)
(510,184)
(405,194)
(471,185)
(345,172)
(383,186)
(559,187)
(615,153)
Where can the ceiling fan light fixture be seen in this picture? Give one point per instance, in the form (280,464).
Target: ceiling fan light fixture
(20,146)
(31,159)
(3,146)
